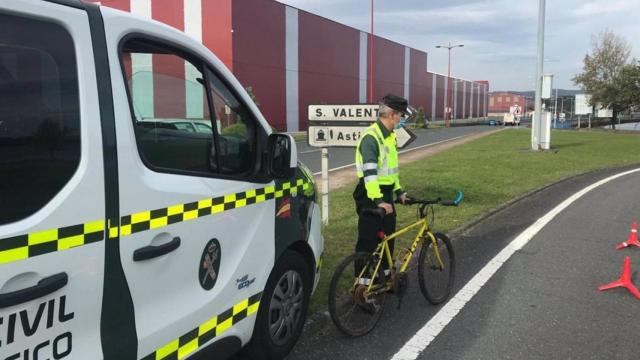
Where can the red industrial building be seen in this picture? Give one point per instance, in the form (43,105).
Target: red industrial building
(501,102)
(291,59)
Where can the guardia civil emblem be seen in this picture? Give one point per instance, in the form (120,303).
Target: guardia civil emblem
(210,264)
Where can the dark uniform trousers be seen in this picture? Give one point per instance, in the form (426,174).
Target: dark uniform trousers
(369,226)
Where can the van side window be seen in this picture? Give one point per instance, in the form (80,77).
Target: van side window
(174,101)
(236,128)
(169,107)
(39,114)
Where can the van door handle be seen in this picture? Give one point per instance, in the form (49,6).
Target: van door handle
(44,287)
(151,251)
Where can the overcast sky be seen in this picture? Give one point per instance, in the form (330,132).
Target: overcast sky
(499,36)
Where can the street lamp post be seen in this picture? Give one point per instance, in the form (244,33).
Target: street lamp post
(371,58)
(447,115)
(555,108)
(535,122)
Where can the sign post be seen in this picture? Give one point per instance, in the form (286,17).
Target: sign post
(342,126)
(325,185)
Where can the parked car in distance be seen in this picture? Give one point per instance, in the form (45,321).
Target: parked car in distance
(189,125)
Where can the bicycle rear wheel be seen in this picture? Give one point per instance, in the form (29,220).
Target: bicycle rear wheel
(355,309)
(436,276)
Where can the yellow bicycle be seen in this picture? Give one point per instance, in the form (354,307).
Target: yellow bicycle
(362,280)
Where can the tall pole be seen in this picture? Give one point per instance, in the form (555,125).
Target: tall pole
(448,109)
(447,114)
(555,108)
(535,124)
(371,58)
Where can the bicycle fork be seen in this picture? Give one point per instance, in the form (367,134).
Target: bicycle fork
(436,251)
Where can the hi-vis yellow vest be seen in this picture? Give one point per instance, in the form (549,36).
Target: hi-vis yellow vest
(387,166)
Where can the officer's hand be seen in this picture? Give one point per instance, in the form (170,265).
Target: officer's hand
(387,207)
(403,198)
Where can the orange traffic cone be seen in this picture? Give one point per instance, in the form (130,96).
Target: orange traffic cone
(633,238)
(624,281)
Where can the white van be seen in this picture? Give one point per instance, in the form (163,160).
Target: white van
(121,240)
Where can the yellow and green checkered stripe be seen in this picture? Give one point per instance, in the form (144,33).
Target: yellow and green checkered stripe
(22,247)
(215,326)
(26,246)
(154,219)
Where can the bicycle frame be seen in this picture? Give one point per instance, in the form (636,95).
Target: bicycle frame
(383,251)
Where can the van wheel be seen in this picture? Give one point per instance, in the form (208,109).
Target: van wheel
(283,309)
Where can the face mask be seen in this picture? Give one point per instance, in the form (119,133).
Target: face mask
(402,123)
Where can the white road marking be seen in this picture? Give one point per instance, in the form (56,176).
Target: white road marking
(432,144)
(336,168)
(399,152)
(412,348)
(310,151)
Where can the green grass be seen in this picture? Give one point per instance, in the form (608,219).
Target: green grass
(299,137)
(491,171)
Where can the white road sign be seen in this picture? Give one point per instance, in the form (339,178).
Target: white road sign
(582,104)
(404,137)
(360,112)
(327,136)
(348,136)
(547,83)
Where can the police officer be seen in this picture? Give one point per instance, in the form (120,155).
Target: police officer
(377,169)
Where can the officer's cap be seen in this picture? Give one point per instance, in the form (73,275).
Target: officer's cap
(398,103)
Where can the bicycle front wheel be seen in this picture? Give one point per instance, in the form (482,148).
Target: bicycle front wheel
(356,307)
(436,268)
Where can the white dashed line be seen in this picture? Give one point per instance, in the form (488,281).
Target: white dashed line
(412,348)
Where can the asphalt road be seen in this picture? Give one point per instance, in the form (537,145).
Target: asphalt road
(542,304)
(338,157)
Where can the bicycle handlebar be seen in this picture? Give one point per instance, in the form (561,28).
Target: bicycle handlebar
(381,212)
(438,201)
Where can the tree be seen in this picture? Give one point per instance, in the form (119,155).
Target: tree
(602,72)
(629,86)
(420,118)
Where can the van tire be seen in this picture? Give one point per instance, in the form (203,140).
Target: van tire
(263,346)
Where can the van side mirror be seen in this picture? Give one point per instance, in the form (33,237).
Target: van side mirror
(282,156)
